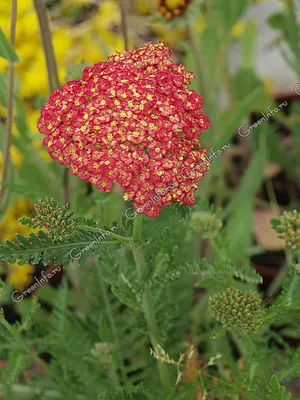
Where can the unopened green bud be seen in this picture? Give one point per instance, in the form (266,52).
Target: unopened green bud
(237,310)
(206,224)
(57,219)
(103,352)
(288,228)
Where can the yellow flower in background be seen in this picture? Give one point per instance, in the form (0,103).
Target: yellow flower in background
(174,3)
(10,225)
(16,157)
(270,86)
(94,40)
(176,36)
(18,276)
(143,6)
(238,29)
(171,38)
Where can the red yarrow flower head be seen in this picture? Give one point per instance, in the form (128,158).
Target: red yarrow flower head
(131,120)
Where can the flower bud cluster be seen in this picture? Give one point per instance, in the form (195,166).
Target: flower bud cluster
(237,310)
(171,9)
(58,220)
(206,224)
(288,228)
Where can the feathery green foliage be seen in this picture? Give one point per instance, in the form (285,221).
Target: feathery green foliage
(277,392)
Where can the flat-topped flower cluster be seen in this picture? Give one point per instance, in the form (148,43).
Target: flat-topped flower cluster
(131,120)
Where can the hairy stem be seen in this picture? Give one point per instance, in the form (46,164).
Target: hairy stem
(52,71)
(10,104)
(148,302)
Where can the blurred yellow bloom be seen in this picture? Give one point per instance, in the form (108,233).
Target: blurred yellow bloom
(18,276)
(270,86)
(238,29)
(108,15)
(172,38)
(201,23)
(143,6)
(173,4)
(10,225)
(16,156)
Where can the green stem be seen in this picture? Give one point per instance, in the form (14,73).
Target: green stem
(198,60)
(112,324)
(10,104)
(209,102)
(238,343)
(251,349)
(45,31)
(272,196)
(198,314)
(100,230)
(124,24)
(276,284)
(148,302)
(52,71)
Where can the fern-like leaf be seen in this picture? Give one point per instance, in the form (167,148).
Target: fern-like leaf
(246,274)
(276,391)
(275,312)
(40,248)
(17,364)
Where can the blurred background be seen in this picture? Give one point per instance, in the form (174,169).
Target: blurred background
(245,55)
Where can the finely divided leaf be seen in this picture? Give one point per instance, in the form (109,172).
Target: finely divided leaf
(276,391)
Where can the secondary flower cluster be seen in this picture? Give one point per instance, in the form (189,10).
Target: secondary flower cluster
(237,310)
(172,8)
(206,224)
(58,220)
(130,120)
(288,228)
